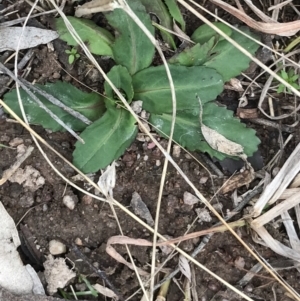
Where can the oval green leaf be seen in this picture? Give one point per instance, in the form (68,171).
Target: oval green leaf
(132,48)
(204,33)
(121,78)
(188,131)
(175,12)
(97,39)
(91,105)
(228,60)
(105,140)
(152,87)
(193,56)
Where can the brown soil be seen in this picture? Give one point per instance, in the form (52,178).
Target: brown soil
(92,221)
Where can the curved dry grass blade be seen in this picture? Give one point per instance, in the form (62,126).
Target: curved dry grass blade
(275,189)
(281,29)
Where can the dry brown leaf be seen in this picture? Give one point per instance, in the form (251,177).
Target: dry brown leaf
(234,84)
(282,180)
(13,38)
(95,6)
(184,267)
(277,210)
(275,245)
(105,291)
(218,141)
(238,180)
(247,113)
(122,240)
(222,144)
(281,29)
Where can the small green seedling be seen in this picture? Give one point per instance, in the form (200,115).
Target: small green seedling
(73,54)
(291,78)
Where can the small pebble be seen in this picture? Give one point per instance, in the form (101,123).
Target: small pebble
(146,158)
(45,207)
(166,249)
(151,145)
(16,141)
(87,199)
(4,138)
(56,75)
(137,106)
(80,287)
(176,151)
(78,241)
(56,247)
(203,215)
(140,137)
(248,288)
(213,286)
(239,262)
(26,200)
(157,163)
(69,201)
(190,199)
(21,149)
(144,114)
(96,264)
(203,180)
(218,207)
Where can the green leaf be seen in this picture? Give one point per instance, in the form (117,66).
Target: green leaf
(91,105)
(228,60)
(97,39)
(175,12)
(158,8)
(121,78)
(284,75)
(204,33)
(294,77)
(71,59)
(105,140)
(280,88)
(152,87)
(188,131)
(291,72)
(132,48)
(194,56)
